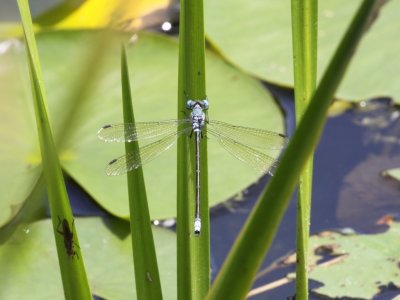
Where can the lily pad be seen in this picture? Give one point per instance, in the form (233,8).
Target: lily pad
(362,264)
(256,37)
(18,149)
(30,267)
(234,97)
(393,173)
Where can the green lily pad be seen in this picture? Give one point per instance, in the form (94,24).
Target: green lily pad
(362,263)
(256,36)
(30,267)
(393,173)
(234,97)
(18,148)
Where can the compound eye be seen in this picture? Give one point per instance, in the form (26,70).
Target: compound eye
(205,104)
(189,104)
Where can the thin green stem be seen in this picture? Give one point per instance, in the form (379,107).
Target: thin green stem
(193,251)
(304,34)
(239,269)
(70,258)
(147,277)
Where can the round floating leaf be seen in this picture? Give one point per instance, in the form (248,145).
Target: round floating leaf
(256,36)
(369,261)
(30,267)
(393,173)
(234,97)
(19,152)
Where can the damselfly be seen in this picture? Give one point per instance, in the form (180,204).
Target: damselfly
(239,141)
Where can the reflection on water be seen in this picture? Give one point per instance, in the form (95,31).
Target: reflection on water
(366,195)
(375,113)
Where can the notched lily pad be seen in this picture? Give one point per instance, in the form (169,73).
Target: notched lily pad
(256,37)
(153,62)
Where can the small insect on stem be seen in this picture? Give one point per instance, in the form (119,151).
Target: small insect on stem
(68,235)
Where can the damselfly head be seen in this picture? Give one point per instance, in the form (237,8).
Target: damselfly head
(190,104)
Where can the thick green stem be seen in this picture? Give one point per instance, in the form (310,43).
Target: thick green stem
(70,258)
(237,274)
(193,251)
(147,277)
(304,34)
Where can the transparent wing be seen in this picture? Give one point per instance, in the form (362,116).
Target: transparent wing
(253,137)
(252,157)
(147,153)
(128,132)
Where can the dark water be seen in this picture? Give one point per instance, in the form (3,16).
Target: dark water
(349,189)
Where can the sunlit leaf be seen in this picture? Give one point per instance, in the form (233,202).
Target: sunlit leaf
(361,264)
(233,98)
(393,173)
(19,151)
(256,36)
(85,14)
(30,268)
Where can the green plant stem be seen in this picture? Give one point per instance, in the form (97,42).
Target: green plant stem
(236,276)
(193,251)
(304,34)
(147,277)
(70,259)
